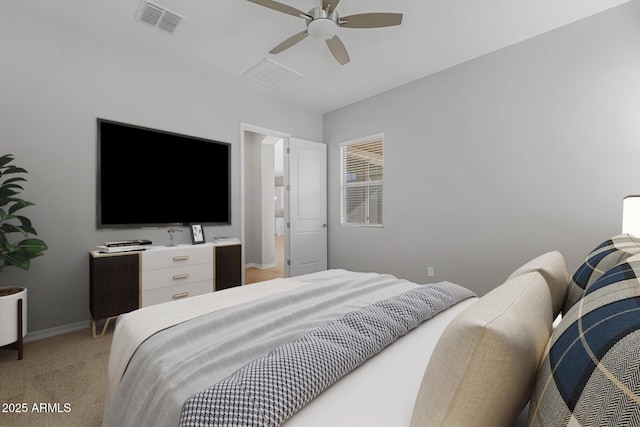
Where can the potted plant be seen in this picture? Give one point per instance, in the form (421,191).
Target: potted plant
(17,248)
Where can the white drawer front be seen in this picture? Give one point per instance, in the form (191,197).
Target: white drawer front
(157,296)
(176,276)
(176,257)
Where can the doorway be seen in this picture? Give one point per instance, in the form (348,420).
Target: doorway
(295,242)
(263,210)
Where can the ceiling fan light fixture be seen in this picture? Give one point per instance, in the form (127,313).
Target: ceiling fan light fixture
(322,28)
(323,22)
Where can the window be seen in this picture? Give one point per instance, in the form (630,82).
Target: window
(361,164)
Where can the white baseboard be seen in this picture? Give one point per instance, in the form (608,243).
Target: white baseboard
(58,330)
(260,266)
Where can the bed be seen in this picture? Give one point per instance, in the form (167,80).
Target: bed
(345,348)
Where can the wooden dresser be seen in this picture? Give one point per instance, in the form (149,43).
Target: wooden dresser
(124,281)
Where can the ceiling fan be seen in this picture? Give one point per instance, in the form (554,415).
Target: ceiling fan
(323,22)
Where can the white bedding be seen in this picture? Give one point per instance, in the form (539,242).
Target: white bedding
(382,392)
(135,327)
(379,393)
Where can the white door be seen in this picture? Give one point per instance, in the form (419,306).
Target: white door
(307,213)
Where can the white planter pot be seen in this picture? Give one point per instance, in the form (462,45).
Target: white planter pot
(9,316)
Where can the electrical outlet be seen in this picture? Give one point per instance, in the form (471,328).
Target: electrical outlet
(430,272)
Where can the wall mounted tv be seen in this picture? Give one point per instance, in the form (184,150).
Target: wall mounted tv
(154,178)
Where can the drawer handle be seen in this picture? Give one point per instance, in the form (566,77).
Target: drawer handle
(180,276)
(181,295)
(181,257)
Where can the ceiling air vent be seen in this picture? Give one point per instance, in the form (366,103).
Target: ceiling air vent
(272,74)
(158,16)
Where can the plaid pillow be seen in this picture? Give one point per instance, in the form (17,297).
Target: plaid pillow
(608,254)
(591,373)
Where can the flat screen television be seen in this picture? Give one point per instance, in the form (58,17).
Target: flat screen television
(153,178)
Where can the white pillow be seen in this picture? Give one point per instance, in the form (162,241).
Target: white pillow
(553,268)
(484,366)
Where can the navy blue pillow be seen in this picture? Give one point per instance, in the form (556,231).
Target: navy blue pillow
(597,262)
(591,374)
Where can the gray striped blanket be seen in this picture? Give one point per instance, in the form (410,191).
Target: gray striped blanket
(269,390)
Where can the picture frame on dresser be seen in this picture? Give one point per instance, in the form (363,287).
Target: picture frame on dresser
(197,234)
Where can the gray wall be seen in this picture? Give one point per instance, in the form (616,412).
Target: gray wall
(502,158)
(259,239)
(253,198)
(55,80)
(267,206)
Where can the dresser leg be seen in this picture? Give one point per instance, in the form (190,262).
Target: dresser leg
(104,328)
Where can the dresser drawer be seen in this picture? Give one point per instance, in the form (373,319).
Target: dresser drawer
(166,277)
(157,296)
(176,256)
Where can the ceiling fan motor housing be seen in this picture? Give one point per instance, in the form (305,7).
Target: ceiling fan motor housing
(322,25)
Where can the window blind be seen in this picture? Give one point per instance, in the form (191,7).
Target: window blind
(361,166)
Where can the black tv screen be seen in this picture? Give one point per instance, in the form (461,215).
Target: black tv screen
(153,178)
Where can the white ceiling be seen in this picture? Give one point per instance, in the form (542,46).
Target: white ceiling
(227,37)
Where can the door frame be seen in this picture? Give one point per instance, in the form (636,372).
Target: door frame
(265,131)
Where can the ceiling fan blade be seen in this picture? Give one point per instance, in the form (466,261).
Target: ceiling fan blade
(371,20)
(330,5)
(289,42)
(282,8)
(338,50)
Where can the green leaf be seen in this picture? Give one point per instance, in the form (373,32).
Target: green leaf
(13,169)
(19,260)
(26,225)
(7,158)
(10,228)
(15,179)
(31,246)
(19,204)
(11,185)
(7,192)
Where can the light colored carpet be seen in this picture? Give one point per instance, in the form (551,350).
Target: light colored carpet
(61,381)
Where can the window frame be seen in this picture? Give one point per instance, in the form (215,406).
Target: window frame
(368,184)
